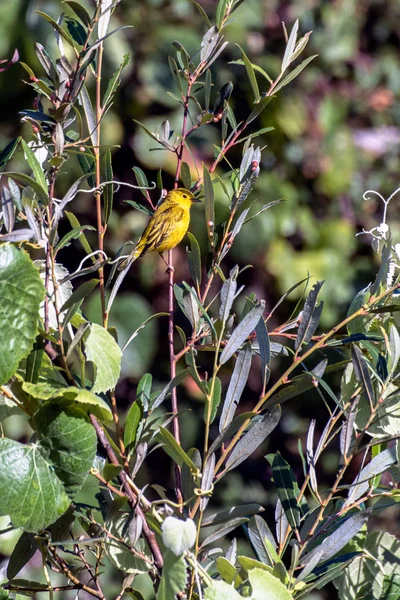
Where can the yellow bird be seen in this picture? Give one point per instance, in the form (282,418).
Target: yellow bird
(166,228)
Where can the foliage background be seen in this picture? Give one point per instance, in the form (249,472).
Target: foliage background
(337,132)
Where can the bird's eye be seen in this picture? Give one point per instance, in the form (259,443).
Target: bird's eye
(184,195)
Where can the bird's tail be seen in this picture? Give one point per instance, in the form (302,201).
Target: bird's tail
(126,263)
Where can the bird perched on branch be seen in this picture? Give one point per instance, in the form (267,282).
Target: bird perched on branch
(166,227)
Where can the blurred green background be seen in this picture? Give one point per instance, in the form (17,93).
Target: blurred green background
(337,134)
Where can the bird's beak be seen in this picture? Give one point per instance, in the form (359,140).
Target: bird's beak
(196,199)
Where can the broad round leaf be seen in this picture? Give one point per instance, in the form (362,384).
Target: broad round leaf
(32,494)
(21,292)
(104,352)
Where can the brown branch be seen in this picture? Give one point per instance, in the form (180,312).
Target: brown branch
(132,498)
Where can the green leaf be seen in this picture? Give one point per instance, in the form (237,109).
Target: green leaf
(120,554)
(262,540)
(224,530)
(37,188)
(173,449)
(90,117)
(228,293)
(236,386)
(186,176)
(251,75)
(209,197)
(363,375)
(224,515)
(294,73)
(175,74)
(266,585)
(195,259)
(168,389)
(80,294)
(287,489)
(342,535)
(310,316)
(23,551)
(254,437)
(40,477)
(104,352)
(215,400)
(86,161)
(108,190)
(242,331)
(115,81)
(76,30)
(69,441)
(265,350)
(80,12)
(174,575)
(219,590)
(8,152)
(220,12)
(74,234)
(131,425)
(379,464)
(67,37)
(290,46)
(21,292)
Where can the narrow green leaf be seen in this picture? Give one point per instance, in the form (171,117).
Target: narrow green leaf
(76,225)
(202,13)
(242,331)
(261,581)
(185,176)
(80,12)
(90,116)
(174,450)
(227,296)
(310,316)
(251,75)
(236,386)
(332,544)
(254,437)
(37,188)
(207,90)
(195,259)
(133,419)
(209,197)
(80,293)
(115,81)
(74,234)
(265,350)
(67,37)
(220,12)
(175,73)
(259,532)
(76,30)
(294,73)
(224,530)
(87,163)
(215,400)
(290,46)
(168,388)
(144,390)
(23,551)
(362,373)
(225,514)
(287,490)
(379,464)
(8,152)
(108,190)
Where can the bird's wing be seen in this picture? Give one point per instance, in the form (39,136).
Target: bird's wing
(159,228)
